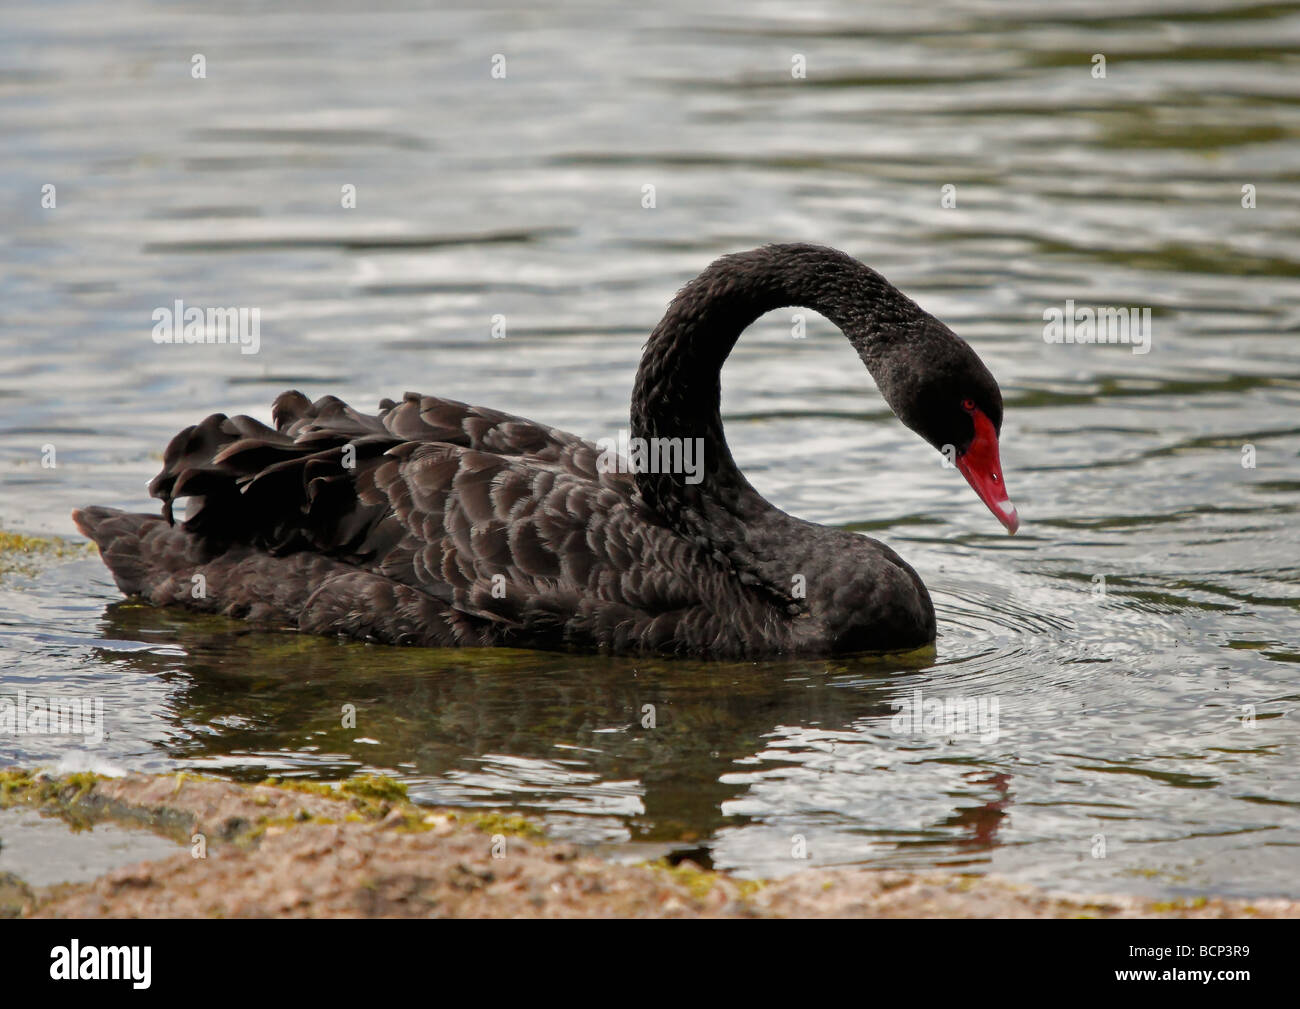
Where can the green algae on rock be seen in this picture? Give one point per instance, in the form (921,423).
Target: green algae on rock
(24,555)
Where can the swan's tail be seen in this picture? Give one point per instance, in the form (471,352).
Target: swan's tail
(167,565)
(142,551)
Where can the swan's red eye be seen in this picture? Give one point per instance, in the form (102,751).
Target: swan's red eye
(968,405)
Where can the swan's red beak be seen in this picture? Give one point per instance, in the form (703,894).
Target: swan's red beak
(982,468)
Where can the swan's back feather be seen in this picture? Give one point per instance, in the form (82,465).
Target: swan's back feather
(507,528)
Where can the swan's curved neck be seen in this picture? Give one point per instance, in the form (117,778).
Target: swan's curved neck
(678,389)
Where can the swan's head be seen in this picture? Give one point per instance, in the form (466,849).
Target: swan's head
(939,387)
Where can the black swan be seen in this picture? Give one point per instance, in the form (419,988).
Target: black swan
(437,523)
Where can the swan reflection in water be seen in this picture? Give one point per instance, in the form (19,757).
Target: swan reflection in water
(541,732)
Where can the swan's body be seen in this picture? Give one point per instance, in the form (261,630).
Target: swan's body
(438,523)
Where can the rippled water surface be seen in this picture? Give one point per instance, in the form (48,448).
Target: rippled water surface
(1148,608)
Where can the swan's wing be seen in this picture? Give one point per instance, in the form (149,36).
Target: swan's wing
(433,419)
(511,539)
(200,461)
(421,419)
(501,518)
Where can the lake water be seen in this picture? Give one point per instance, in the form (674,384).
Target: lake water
(1140,636)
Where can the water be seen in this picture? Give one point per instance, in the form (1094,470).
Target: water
(1122,717)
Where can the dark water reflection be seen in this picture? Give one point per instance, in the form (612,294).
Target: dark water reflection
(638,745)
(1158,714)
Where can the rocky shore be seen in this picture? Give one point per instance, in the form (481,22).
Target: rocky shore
(361,849)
